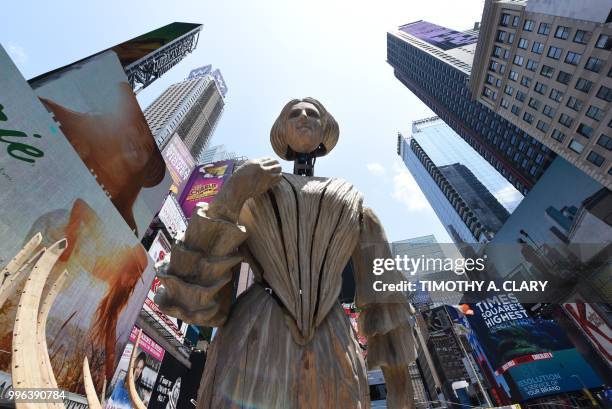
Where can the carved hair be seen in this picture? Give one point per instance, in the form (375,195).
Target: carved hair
(278,133)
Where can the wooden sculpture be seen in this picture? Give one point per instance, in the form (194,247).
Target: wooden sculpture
(287,343)
(31,366)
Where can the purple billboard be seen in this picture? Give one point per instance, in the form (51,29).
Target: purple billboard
(204,184)
(179,161)
(438,36)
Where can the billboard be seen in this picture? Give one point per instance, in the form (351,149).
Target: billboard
(534,353)
(438,36)
(156,51)
(204,184)
(160,247)
(172,389)
(98,113)
(45,187)
(179,161)
(594,325)
(146,368)
(171,215)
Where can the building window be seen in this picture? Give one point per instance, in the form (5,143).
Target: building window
(557,135)
(549,111)
(564,77)
(513,75)
(573,58)
(509,89)
(515,110)
(605,142)
(531,65)
(504,103)
(574,103)
(605,93)
(528,25)
(504,20)
(562,32)
(604,42)
(583,85)
(582,36)
(518,60)
(493,66)
(502,68)
(554,52)
(595,159)
(521,96)
(594,64)
(576,146)
(542,126)
(537,47)
(525,81)
(523,43)
(544,29)
(585,130)
(515,21)
(527,117)
(497,51)
(566,120)
(547,71)
(490,79)
(595,113)
(534,103)
(501,36)
(510,38)
(540,88)
(556,95)
(489,93)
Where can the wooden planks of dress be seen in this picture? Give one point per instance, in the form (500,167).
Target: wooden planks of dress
(291,346)
(286,350)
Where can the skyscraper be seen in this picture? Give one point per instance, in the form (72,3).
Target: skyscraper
(191,109)
(461,187)
(546,66)
(435,62)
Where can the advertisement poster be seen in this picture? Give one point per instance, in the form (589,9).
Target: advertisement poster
(45,187)
(171,215)
(594,326)
(204,184)
(534,353)
(179,161)
(97,111)
(160,247)
(174,389)
(146,368)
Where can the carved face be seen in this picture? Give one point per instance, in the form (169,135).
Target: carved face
(304,128)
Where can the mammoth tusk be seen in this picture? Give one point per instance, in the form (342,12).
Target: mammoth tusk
(136,402)
(17,261)
(43,314)
(15,280)
(90,389)
(26,358)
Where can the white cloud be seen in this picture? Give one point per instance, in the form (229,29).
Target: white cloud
(407,191)
(376,169)
(17,53)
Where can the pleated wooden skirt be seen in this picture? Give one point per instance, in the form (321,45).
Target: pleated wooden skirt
(254,362)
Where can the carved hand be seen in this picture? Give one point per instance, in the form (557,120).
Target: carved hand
(251,179)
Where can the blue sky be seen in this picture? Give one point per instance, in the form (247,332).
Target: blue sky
(271,51)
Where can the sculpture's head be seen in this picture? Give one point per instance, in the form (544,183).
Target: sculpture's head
(304,127)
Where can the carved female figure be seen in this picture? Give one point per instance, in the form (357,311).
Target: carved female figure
(286,342)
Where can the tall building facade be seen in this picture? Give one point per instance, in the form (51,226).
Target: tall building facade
(448,174)
(191,109)
(547,66)
(217,153)
(435,62)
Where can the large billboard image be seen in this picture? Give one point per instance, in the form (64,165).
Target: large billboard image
(179,161)
(204,184)
(98,113)
(46,188)
(534,353)
(441,37)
